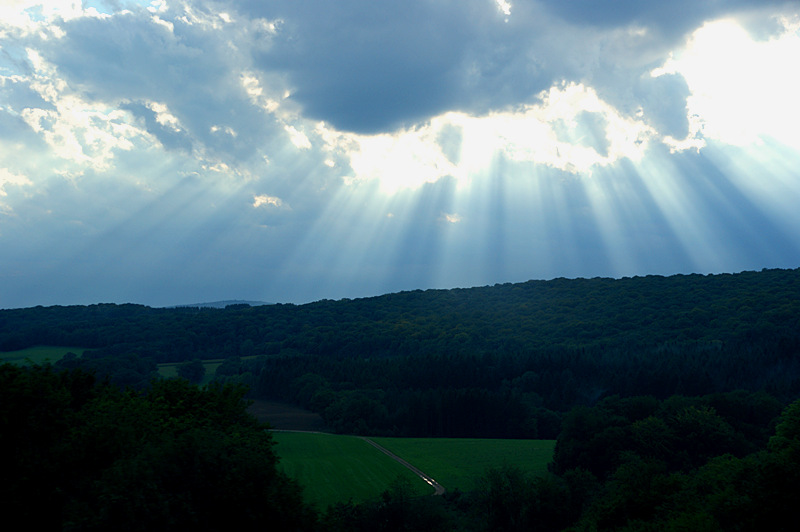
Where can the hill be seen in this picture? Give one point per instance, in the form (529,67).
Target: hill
(444,362)
(536,314)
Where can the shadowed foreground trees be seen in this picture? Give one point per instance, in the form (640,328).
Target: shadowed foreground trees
(684,463)
(86,456)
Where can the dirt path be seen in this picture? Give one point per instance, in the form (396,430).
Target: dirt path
(438,488)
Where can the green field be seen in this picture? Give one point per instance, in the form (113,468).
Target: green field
(39,355)
(52,354)
(457,463)
(335,468)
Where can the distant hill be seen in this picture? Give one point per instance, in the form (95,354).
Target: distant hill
(223,304)
(501,319)
(444,362)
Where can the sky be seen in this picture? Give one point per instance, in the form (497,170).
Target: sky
(180,151)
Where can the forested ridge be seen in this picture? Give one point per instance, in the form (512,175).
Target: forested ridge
(532,315)
(408,363)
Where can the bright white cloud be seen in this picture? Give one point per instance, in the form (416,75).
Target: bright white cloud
(9,179)
(27,14)
(163,116)
(298,138)
(403,160)
(413,157)
(504,7)
(264,200)
(742,89)
(76,131)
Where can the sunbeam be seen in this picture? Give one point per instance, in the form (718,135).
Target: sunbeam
(179,151)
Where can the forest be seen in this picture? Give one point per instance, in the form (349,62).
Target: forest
(443,362)
(82,454)
(674,400)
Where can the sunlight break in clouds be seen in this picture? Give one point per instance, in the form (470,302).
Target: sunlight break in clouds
(504,7)
(741,89)
(25,13)
(553,132)
(738,93)
(76,131)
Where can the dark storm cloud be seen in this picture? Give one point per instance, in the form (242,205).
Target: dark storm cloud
(375,66)
(370,66)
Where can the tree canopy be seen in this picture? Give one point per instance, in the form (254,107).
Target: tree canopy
(81,455)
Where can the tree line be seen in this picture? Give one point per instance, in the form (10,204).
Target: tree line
(508,318)
(406,364)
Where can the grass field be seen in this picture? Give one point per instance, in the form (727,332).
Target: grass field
(335,468)
(458,463)
(51,354)
(38,355)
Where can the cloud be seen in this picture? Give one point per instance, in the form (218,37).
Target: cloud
(451,218)
(369,67)
(672,19)
(663,100)
(8,180)
(161,124)
(180,70)
(735,86)
(264,200)
(17,93)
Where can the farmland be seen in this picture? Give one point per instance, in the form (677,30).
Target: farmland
(336,468)
(38,355)
(458,462)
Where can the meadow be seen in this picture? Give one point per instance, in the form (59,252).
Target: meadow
(336,468)
(458,463)
(38,355)
(52,354)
